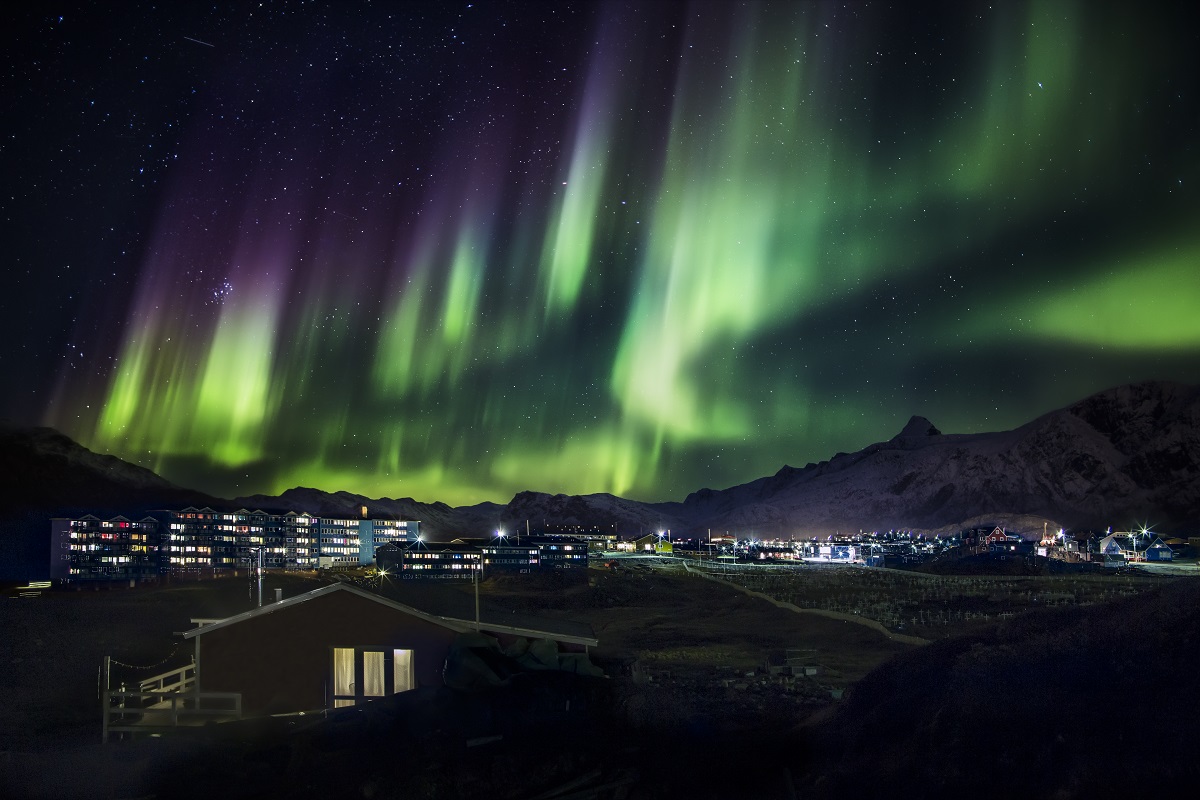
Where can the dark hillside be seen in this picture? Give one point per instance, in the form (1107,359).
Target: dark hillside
(1064,703)
(48,472)
(46,475)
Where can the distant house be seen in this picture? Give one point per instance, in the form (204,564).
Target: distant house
(644,544)
(652,543)
(341,645)
(1000,541)
(997,536)
(775,551)
(1118,544)
(1158,550)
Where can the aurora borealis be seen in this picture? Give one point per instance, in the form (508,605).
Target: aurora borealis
(455,251)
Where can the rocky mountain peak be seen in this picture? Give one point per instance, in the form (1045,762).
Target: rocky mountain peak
(918,427)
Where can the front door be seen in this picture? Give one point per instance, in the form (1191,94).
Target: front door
(362,673)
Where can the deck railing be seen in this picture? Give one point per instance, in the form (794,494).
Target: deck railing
(177,680)
(166,701)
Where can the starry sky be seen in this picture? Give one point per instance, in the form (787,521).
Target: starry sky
(455,250)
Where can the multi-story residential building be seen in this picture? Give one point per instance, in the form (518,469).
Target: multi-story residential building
(90,548)
(463,559)
(206,541)
(597,537)
(437,561)
(502,555)
(561,552)
(348,542)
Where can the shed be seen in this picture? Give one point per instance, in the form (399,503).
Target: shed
(339,645)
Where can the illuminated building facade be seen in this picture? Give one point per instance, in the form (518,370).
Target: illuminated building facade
(598,537)
(561,552)
(90,548)
(463,558)
(204,541)
(452,561)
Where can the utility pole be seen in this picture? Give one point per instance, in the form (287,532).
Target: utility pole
(107,671)
(259,551)
(478,573)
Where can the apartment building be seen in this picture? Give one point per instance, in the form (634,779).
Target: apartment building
(204,541)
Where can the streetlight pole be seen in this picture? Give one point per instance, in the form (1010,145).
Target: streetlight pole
(259,552)
(478,572)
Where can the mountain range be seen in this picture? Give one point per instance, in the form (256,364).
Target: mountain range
(1122,457)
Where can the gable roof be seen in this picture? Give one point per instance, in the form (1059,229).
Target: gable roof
(1116,542)
(454,624)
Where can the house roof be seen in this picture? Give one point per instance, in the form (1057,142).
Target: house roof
(459,625)
(431,547)
(1119,541)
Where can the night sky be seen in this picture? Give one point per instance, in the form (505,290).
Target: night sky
(457,250)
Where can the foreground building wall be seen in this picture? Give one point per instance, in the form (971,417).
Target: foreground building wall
(284,661)
(342,645)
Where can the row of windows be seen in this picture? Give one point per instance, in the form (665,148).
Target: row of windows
(442,555)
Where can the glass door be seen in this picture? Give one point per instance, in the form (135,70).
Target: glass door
(363,673)
(344,683)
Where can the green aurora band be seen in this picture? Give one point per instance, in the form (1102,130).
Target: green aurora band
(776,238)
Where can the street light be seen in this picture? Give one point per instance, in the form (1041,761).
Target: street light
(258,551)
(1144,532)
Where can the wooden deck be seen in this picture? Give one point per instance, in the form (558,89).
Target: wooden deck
(166,702)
